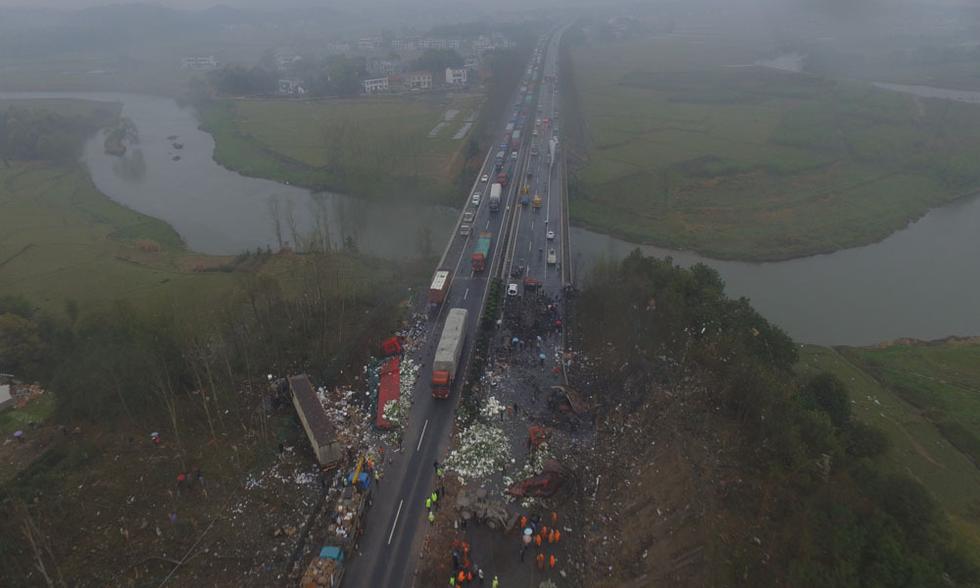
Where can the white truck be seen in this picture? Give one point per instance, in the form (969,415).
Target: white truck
(495,190)
(448,352)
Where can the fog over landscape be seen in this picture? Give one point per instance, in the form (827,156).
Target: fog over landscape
(544,293)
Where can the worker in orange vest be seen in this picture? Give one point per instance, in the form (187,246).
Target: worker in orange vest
(469,576)
(544,530)
(551,536)
(552,561)
(557,535)
(461,577)
(523,521)
(537,540)
(540,560)
(554,518)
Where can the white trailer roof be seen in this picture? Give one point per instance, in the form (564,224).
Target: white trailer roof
(439,280)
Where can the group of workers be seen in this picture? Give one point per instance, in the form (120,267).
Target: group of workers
(432,500)
(536,531)
(464,570)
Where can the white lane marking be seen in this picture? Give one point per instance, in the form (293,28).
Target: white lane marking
(466,294)
(425,425)
(395,524)
(488,224)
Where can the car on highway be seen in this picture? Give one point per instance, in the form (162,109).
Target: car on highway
(525,200)
(476,198)
(512,289)
(550,235)
(485,178)
(552,257)
(468,216)
(513,155)
(465,230)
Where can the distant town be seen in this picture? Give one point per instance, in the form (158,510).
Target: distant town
(380,65)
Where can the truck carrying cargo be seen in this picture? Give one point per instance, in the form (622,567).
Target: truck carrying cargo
(439,287)
(481,251)
(448,352)
(495,190)
(389,390)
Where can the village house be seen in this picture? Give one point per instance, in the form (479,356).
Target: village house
(430,43)
(382,67)
(403,44)
(291,88)
(418,80)
(368,43)
(456,76)
(375,85)
(199,63)
(286,58)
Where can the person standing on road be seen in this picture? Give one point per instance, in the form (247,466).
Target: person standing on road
(428,504)
(495,583)
(432,517)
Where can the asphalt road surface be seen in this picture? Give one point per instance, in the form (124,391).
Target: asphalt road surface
(388,550)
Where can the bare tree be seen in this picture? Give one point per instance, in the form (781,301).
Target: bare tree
(40,547)
(276,218)
(291,223)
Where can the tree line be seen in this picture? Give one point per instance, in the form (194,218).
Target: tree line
(152,367)
(841,518)
(37,134)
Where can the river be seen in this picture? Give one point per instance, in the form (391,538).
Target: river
(219,211)
(919,282)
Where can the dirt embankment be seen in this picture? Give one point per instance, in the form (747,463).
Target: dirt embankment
(657,483)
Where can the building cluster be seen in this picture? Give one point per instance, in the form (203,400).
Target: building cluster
(390,63)
(389,69)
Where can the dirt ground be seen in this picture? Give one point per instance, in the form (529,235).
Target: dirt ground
(109,509)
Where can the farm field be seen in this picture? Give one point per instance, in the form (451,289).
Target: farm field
(370,147)
(926,398)
(679,148)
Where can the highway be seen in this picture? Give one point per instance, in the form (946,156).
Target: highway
(528,253)
(388,550)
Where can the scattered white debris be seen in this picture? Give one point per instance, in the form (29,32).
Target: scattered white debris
(483,450)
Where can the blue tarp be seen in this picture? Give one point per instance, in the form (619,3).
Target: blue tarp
(331,552)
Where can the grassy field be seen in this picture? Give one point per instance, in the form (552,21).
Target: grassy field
(679,149)
(369,147)
(61,239)
(926,398)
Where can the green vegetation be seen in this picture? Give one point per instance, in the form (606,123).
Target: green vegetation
(923,396)
(37,411)
(130,333)
(62,240)
(798,470)
(684,151)
(370,147)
